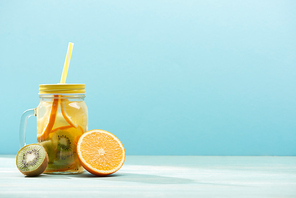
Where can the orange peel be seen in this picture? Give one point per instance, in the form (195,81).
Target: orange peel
(65,115)
(52,118)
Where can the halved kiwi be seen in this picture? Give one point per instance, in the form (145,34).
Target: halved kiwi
(32,160)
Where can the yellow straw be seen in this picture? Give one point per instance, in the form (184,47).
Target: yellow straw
(67,63)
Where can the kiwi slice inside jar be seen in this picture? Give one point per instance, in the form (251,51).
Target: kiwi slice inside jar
(32,160)
(48,145)
(63,142)
(74,166)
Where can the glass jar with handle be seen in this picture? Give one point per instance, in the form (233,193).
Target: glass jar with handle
(62,118)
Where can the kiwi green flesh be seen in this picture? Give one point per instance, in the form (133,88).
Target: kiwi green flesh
(61,167)
(48,146)
(32,160)
(63,141)
(64,162)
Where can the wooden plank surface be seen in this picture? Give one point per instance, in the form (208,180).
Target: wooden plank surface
(163,176)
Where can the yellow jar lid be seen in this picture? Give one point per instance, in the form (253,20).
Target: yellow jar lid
(62,89)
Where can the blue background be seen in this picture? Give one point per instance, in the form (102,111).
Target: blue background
(167,77)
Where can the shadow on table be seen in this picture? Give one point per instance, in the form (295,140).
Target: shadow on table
(132,177)
(125,177)
(145,178)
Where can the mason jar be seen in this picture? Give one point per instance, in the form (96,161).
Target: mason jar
(62,118)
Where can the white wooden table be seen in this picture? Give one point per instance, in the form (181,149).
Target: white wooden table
(163,176)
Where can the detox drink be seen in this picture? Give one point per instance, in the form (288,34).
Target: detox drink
(61,120)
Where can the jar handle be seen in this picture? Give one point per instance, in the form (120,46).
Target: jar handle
(23,125)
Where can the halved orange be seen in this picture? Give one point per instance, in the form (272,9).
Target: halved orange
(100,152)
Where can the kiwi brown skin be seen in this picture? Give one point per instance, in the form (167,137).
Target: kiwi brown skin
(40,169)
